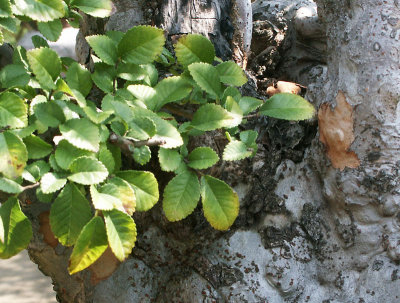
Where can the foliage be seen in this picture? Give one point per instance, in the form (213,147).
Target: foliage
(55,136)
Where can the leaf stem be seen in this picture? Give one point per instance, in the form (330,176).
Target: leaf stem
(127,145)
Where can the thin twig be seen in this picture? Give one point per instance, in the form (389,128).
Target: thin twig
(3,129)
(127,145)
(177,111)
(252,116)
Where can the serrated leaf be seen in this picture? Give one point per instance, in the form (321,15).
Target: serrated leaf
(66,153)
(37,148)
(141,44)
(13,111)
(202,158)
(16,229)
(121,232)
(207,77)
(231,73)
(13,155)
(233,107)
(181,196)
(87,171)
(104,199)
(49,113)
(9,24)
(51,29)
(249,137)
(46,65)
(41,10)
(145,186)
(10,186)
(106,157)
(96,115)
(95,8)
(169,90)
(249,104)
(103,77)
(236,150)
(34,171)
(89,246)
(165,130)
(13,75)
(287,106)
(220,203)
(131,72)
(79,78)
(144,93)
(69,213)
(39,41)
(104,47)
(212,116)
(52,182)
(142,154)
(194,48)
(125,193)
(81,133)
(5,8)
(169,159)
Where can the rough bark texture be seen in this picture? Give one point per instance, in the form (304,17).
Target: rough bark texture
(307,231)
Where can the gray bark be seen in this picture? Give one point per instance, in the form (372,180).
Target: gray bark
(318,222)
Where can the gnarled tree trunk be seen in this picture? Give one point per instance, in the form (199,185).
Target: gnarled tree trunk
(319,206)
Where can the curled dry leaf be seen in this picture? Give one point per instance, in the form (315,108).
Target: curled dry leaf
(45,229)
(336,133)
(284,87)
(103,267)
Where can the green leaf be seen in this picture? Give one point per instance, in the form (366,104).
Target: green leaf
(106,157)
(13,75)
(287,106)
(212,116)
(125,193)
(37,148)
(249,137)
(143,93)
(41,10)
(131,72)
(104,47)
(5,8)
(236,150)
(49,113)
(141,128)
(194,48)
(10,186)
(207,77)
(16,229)
(51,30)
(90,245)
(13,111)
(104,199)
(231,73)
(103,77)
(34,171)
(13,155)
(95,8)
(66,153)
(52,182)
(169,159)
(165,130)
(220,203)
(202,158)
(141,44)
(39,42)
(81,133)
(121,232)
(87,171)
(9,24)
(96,115)
(249,104)
(79,78)
(181,196)
(169,90)
(69,213)
(145,186)
(142,154)
(46,65)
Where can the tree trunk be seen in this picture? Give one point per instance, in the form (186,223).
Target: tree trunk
(319,208)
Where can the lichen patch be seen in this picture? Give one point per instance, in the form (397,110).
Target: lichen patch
(337,134)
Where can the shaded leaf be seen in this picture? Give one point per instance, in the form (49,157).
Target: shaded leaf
(13,155)
(13,111)
(202,158)
(194,48)
(231,73)
(37,148)
(207,77)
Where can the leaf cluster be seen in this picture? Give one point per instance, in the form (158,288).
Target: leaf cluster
(56,137)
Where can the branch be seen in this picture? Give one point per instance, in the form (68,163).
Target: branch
(127,145)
